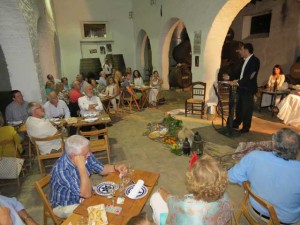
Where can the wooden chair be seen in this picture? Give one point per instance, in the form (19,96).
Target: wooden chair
(48,211)
(98,145)
(11,167)
(124,99)
(245,207)
(197,101)
(223,103)
(40,157)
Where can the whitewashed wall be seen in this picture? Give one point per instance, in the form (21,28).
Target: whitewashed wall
(17,49)
(24,45)
(69,14)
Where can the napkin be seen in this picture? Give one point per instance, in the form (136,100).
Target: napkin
(137,187)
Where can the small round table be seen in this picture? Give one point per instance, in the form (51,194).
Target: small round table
(274,94)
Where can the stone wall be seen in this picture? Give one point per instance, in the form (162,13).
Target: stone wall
(21,44)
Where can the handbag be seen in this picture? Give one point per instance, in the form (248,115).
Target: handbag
(10,167)
(161,101)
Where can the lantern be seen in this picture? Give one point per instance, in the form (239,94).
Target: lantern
(197,145)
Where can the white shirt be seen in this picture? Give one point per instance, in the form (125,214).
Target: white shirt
(53,111)
(244,65)
(107,69)
(138,81)
(41,128)
(85,101)
(110,90)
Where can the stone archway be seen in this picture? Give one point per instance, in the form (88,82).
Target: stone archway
(214,42)
(144,55)
(46,49)
(164,45)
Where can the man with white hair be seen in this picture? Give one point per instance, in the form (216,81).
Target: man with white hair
(55,108)
(82,82)
(89,102)
(37,126)
(70,177)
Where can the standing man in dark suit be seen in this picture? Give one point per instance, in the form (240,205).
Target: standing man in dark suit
(247,87)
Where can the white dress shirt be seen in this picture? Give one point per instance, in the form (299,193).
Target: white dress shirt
(244,65)
(41,128)
(53,111)
(85,101)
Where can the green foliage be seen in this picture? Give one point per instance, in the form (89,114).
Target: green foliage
(173,124)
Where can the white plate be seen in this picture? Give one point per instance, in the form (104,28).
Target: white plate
(90,120)
(104,187)
(15,123)
(143,192)
(54,119)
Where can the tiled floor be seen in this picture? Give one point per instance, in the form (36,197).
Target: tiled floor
(129,144)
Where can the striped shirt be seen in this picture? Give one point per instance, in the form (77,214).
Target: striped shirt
(65,180)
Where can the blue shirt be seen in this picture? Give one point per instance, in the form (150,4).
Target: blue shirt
(65,180)
(126,84)
(15,206)
(187,210)
(274,179)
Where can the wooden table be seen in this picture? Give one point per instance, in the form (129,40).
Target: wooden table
(145,90)
(129,208)
(273,94)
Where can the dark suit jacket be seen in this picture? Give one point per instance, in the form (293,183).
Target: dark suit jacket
(248,84)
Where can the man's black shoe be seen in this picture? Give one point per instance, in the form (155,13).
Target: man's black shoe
(243,131)
(234,126)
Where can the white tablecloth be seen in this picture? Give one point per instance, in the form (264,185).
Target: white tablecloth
(289,110)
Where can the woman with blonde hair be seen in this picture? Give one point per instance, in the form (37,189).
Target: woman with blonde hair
(112,91)
(207,203)
(118,78)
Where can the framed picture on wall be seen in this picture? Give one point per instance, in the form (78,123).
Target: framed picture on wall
(102,50)
(93,51)
(108,47)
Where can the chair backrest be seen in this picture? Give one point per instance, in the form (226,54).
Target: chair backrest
(40,185)
(224,90)
(199,90)
(50,138)
(93,132)
(51,155)
(244,208)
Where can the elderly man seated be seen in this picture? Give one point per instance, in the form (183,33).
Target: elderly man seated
(76,163)
(274,176)
(38,127)
(17,109)
(12,212)
(55,108)
(89,102)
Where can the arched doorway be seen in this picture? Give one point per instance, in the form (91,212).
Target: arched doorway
(180,57)
(211,56)
(144,55)
(174,38)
